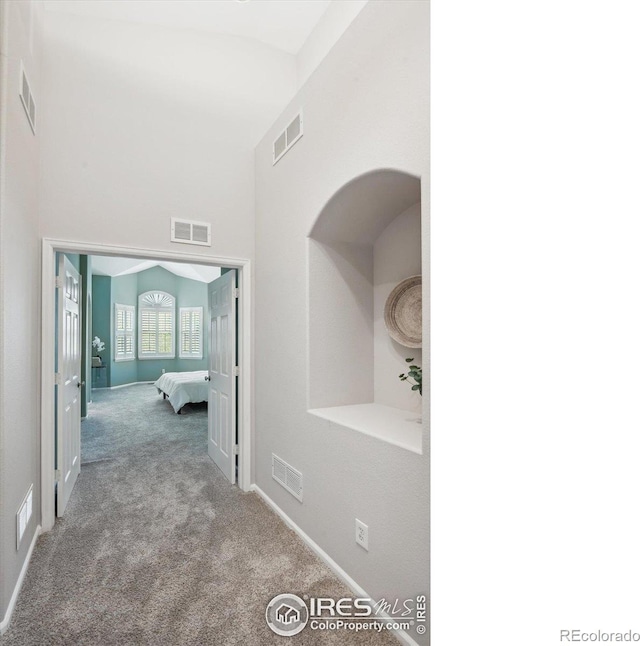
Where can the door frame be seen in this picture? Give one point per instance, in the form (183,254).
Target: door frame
(245,419)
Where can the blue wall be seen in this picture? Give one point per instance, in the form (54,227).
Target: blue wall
(125,290)
(101,323)
(74,259)
(85,274)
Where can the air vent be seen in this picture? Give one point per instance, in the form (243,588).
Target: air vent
(287,138)
(287,476)
(200,233)
(28,102)
(189,232)
(294,130)
(280,146)
(24,516)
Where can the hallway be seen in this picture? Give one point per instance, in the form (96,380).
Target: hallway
(157,548)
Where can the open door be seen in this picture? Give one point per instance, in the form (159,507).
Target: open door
(222,374)
(69,384)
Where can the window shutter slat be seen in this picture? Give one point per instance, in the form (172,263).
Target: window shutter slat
(156,320)
(191,332)
(124,342)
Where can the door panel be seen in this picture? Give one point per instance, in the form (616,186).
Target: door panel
(222,384)
(69,388)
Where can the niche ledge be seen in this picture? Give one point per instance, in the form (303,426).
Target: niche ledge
(392,425)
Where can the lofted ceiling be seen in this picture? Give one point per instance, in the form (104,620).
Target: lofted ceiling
(111,266)
(283,24)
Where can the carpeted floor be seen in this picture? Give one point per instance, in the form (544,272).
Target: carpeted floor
(157,548)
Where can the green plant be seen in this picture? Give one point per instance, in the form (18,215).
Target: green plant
(415,373)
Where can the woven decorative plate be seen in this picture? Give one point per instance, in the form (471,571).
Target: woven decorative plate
(403,312)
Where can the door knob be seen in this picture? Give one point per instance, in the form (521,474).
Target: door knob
(80,384)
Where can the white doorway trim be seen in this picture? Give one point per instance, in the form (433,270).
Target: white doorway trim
(47,425)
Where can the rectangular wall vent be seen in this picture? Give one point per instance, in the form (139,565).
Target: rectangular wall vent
(280,146)
(287,476)
(28,102)
(287,138)
(189,232)
(24,516)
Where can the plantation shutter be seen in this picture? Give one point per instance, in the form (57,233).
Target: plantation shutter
(191,345)
(124,333)
(156,325)
(148,332)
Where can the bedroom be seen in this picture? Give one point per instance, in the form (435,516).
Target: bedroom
(145,338)
(118,284)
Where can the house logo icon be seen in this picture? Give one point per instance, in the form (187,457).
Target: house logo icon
(287,615)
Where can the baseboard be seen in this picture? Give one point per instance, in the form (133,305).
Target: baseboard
(133,383)
(337,570)
(4,624)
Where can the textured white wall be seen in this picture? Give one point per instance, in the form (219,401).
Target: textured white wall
(19,287)
(396,256)
(142,123)
(334,21)
(340,324)
(365,108)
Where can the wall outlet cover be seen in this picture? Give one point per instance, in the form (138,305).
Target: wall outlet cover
(362,534)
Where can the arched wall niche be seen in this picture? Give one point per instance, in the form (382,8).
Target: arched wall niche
(365,240)
(359,211)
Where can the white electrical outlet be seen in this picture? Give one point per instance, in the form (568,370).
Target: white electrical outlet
(163,371)
(362,534)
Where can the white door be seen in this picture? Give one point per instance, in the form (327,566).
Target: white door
(222,379)
(69,384)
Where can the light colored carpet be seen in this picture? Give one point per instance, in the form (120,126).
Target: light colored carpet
(157,548)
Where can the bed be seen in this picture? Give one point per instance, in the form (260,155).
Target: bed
(183,388)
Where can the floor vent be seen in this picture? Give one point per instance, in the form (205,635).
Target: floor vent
(24,516)
(26,97)
(287,476)
(189,232)
(287,138)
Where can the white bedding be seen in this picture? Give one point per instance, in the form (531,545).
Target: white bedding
(184,387)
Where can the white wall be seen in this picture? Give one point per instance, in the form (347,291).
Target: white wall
(340,324)
(396,256)
(19,289)
(338,16)
(365,108)
(142,123)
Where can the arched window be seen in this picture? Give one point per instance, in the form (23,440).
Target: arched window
(156,325)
